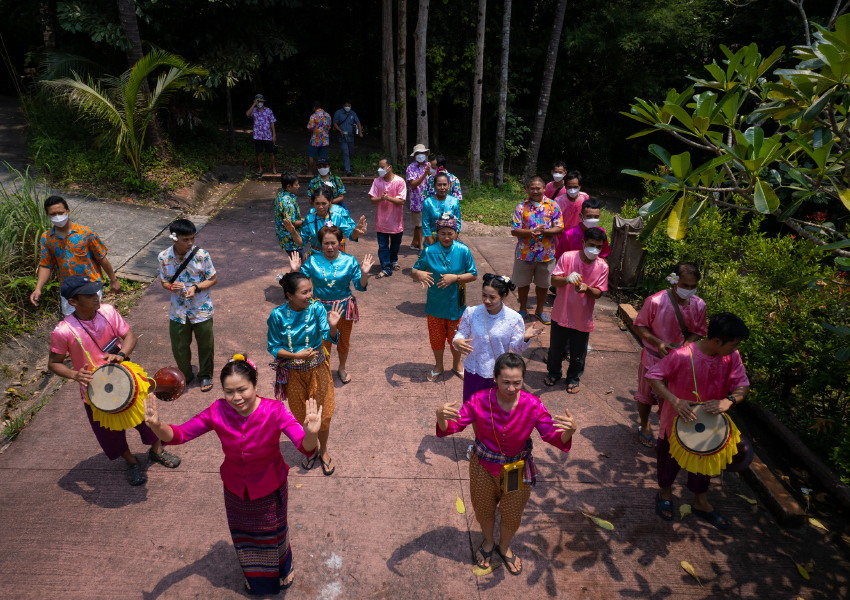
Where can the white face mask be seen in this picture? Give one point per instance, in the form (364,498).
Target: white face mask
(324,171)
(420,158)
(382,172)
(592,253)
(59,220)
(685,294)
(346,108)
(590,222)
(261,104)
(573,192)
(557,176)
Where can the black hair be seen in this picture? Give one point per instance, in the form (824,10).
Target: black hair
(508,360)
(686,267)
(317,104)
(326,191)
(182,227)
(53,200)
(536,178)
(291,281)
(441,160)
(594,233)
(288,178)
(347,102)
(727,327)
(499,284)
(442,174)
(573,175)
(591,203)
(239,367)
(559,163)
(387,159)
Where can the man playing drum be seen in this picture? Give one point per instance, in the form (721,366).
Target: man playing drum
(95,334)
(709,371)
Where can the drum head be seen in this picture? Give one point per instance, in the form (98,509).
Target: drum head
(112,388)
(707,435)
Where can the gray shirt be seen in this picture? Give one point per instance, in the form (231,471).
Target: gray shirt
(346,121)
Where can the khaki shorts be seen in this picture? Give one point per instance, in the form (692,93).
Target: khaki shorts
(416,218)
(527,270)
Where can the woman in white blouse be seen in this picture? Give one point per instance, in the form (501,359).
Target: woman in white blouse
(489,330)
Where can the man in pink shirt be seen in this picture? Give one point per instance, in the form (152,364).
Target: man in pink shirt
(580,279)
(389,191)
(567,194)
(555,189)
(710,372)
(573,239)
(94,335)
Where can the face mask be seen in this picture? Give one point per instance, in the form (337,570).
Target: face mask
(261,104)
(346,108)
(685,294)
(382,172)
(557,176)
(324,171)
(592,253)
(573,192)
(590,222)
(420,158)
(59,220)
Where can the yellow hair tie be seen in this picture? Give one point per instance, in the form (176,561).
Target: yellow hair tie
(238,357)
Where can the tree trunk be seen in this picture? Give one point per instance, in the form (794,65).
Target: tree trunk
(435,125)
(419,39)
(388,83)
(477,85)
(46,24)
(401,76)
(545,90)
(501,122)
(231,134)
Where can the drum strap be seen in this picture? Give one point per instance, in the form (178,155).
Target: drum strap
(679,318)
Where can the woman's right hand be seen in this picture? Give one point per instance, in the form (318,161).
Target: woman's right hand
(151,411)
(294,262)
(84,375)
(306,354)
(448,412)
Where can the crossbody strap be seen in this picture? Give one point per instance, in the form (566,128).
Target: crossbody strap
(679,318)
(183,265)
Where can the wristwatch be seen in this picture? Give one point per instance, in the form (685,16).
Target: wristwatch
(121,354)
(732,399)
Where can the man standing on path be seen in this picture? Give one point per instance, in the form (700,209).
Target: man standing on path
(555,189)
(96,335)
(536,222)
(347,124)
(320,125)
(265,136)
(417,172)
(72,249)
(188,273)
(389,192)
(573,239)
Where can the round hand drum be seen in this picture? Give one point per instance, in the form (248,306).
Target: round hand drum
(708,434)
(112,389)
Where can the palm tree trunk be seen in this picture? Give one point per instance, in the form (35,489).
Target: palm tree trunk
(435,125)
(47,24)
(401,76)
(477,85)
(501,122)
(388,128)
(419,38)
(545,90)
(231,134)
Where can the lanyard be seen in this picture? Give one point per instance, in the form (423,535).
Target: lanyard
(90,335)
(694,371)
(493,421)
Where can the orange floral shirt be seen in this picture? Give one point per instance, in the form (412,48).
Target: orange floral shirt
(77,254)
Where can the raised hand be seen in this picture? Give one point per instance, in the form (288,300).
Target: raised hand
(465,346)
(335,314)
(287,224)
(444,280)
(533,330)
(313,420)
(426,279)
(366,265)
(151,411)
(294,262)
(361,225)
(448,412)
(565,425)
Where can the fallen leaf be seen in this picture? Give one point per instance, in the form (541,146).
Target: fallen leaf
(459,504)
(609,392)
(818,524)
(750,500)
(802,571)
(810,566)
(298,485)
(820,497)
(684,511)
(478,571)
(601,522)
(605,454)
(690,571)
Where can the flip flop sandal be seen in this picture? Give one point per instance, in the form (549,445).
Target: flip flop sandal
(650,441)
(325,466)
(346,380)
(206,383)
(396,267)
(284,586)
(550,381)
(509,561)
(381,275)
(135,475)
(574,388)
(522,313)
(311,461)
(485,554)
(458,373)
(165,458)
(713,517)
(661,505)
(432,377)
(543,318)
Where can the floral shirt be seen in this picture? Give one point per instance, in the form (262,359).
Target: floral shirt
(79,253)
(333,181)
(415,171)
(198,308)
(528,216)
(263,120)
(454,187)
(320,124)
(286,207)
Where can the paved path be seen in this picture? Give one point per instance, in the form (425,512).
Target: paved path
(385,525)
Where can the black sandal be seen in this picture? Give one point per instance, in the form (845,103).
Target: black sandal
(713,517)
(486,555)
(311,461)
(325,466)
(509,561)
(661,505)
(284,586)
(206,385)
(135,476)
(165,458)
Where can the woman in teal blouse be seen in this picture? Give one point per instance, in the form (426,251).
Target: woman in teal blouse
(332,273)
(451,263)
(297,331)
(314,221)
(438,205)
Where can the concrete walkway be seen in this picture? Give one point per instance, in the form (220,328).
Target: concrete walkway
(384,525)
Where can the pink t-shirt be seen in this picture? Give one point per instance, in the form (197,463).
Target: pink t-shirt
(659,316)
(570,209)
(390,217)
(716,377)
(572,309)
(573,239)
(94,335)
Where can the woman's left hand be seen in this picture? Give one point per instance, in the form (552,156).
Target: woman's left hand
(361,225)
(335,314)
(294,262)
(444,280)
(366,265)
(565,425)
(533,330)
(313,420)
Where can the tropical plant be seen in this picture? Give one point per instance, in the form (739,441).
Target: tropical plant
(119,105)
(777,141)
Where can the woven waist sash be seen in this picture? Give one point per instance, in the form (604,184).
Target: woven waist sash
(529,474)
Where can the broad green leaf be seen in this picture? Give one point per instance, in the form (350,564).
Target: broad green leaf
(835,245)
(677,222)
(650,224)
(640,133)
(702,124)
(716,72)
(660,153)
(767,62)
(844,195)
(712,164)
(755,136)
(681,165)
(657,205)
(680,113)
(842,355)
(645,175)
(843,263)
(765,198)
(815,109)
(841,330)
(696,212)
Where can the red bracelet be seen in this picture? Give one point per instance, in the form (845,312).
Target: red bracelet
(170,285)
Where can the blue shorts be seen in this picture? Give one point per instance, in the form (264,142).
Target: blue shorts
(320,151)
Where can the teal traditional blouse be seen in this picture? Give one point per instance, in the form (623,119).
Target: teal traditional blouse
(294,331)
(433,209)
(444,303)
(313,224)
(332,279)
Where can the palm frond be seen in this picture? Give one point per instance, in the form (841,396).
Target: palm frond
(60,65)
(93,102)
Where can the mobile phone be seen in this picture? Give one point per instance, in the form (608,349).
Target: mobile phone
(112,347)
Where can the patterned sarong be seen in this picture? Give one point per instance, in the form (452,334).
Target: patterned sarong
(351,312)
(529,474)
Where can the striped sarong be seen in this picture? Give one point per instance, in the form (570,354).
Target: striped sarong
(261,536)
(349,309)
(529,474)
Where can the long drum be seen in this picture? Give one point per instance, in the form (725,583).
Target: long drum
(112,389)
(707,435)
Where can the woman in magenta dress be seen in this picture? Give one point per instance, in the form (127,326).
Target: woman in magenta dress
(254,472)
(504,417)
